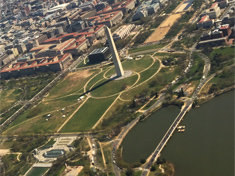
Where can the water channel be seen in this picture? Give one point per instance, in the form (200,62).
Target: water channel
(206,148)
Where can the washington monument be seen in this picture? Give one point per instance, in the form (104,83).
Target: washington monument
(113,50)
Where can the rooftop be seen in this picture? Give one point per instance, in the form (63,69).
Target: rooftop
(99,50)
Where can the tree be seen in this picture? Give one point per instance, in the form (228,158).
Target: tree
(142,161)
(129,171)
(213,88)
(181,93)
(153,168)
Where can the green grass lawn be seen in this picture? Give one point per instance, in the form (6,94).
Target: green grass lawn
(147,47)
(107,154)
(163,78)
(39,124)
(197,67)
(9,113)
(134,65)
(8,98)
(48,144)
(111,87)
(148,73)
(37,171)
(98,77)
(46,107)
(229,51)
(73,82)
(86,117)
(6,144)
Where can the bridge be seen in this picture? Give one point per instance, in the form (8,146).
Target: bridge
(153,157)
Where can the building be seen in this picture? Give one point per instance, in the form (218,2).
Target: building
(54,64)
(216,34)
(100,6)
(58,8)
(205,36)
(223,4)
(108,19)
(51,50)
(80,46)
(5,59)
(205,22)
(124,6)
(21,48)
(140,14)
(214,11)
(147,8)
(226,30)
(123,31)
(99,55)
(153,8)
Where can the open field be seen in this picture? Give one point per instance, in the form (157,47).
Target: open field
(228,51)
(39,124)
(163,29)
(87,115)
(165,76)
(8,98)
(108,88)
(72,83)
(46,107)
(147,47)
(134,65)
(62,100)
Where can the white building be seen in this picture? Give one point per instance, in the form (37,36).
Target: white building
(122,31)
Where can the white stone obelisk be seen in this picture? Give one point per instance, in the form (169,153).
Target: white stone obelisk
(113,50)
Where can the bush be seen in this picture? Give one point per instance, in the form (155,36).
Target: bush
(35,111)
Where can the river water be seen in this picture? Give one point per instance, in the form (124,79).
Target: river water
(206,148)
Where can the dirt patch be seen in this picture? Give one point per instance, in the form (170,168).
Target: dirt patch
(4,151)
(190,90)
(78,75)
(163,29)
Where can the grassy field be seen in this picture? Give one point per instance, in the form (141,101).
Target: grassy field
(73,82)
(134,65)
(148,73)
(8,98)
(147,47)
(48,144)
(87,115)
(39,124)
(162,78)
(9,113)
(197,67)
(107,87)
(46,107)
(96,78)
(229,51)
(37,171)
(107,154)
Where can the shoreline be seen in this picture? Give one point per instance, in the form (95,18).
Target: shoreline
(203,99)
